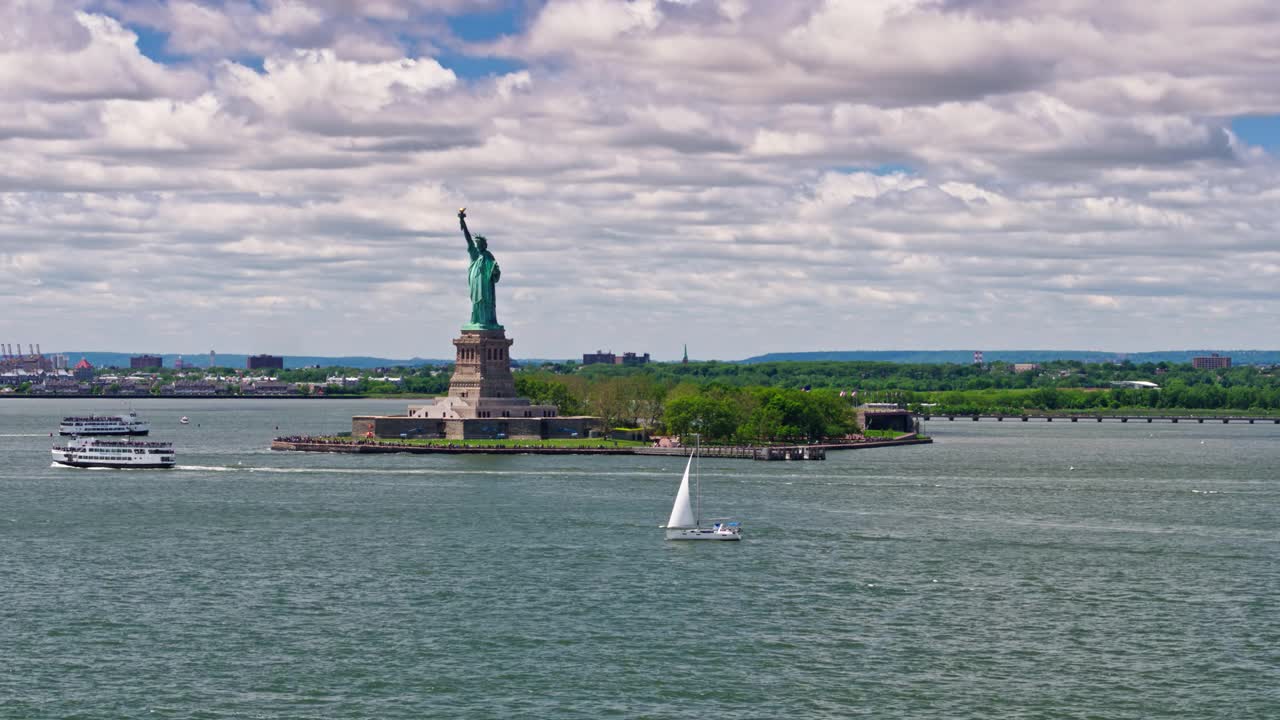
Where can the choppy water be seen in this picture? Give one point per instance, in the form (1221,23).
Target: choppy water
(981,577)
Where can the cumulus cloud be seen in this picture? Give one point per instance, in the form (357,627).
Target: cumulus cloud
(742,176)
(313,79)
(50,55)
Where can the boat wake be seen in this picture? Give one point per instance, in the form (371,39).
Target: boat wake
(381,471)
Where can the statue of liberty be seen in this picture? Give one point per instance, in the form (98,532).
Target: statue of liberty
(481,278)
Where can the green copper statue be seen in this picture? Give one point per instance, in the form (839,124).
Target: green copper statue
(481,278)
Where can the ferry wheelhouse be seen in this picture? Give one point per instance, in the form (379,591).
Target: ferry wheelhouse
(126,424)
(95,453)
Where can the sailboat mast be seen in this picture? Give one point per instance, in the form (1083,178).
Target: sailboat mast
(697,475)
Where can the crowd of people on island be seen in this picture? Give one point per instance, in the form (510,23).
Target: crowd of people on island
(370,440)
(672,441)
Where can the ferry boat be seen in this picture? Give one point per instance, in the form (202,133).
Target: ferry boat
(126,424)
(95,453)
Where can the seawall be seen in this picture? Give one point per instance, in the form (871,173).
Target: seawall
(741,452)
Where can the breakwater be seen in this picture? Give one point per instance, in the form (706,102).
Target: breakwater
(742,452)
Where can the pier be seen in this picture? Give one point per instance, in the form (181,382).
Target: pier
(1094,417)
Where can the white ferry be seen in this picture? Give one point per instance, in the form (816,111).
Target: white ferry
(127,424)
(92,452)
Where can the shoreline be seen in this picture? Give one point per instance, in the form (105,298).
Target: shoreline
(711,451)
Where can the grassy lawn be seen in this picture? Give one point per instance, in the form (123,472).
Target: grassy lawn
(884,434)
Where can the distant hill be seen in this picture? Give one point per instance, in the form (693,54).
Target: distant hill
(1238,357)
(231,360)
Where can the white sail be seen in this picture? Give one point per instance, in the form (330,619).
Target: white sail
(682,511)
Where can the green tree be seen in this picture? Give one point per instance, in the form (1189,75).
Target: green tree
(715,417)
(547,389)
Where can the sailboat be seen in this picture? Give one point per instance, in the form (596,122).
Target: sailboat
(684,524)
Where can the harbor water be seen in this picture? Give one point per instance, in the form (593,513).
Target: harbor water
(1011,570)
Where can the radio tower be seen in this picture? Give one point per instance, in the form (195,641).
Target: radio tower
(977,357)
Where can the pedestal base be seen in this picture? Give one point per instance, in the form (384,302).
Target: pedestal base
(483,366)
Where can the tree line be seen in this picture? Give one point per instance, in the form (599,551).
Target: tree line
(802,400)
(719,412)
(794,401)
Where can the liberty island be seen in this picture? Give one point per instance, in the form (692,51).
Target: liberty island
(482,403)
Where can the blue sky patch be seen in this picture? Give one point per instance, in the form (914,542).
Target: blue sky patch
(468,67)
(883,169)
(154,44)
(259,64)
(489,26)
(483,27)
(1260,130)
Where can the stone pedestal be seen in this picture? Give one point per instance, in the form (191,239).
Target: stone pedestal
(481,403)
(483,366)
(482,399)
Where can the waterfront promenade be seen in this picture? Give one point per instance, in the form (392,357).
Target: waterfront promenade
(817,451)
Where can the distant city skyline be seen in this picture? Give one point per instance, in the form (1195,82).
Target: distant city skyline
(743,176)
(953,356)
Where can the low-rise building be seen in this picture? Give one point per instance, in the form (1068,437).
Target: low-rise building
(271,388)
(1213,362)
(17,377)
(83,370)
(142,362)
(60,385)
(265,362)
(192,388)
(885,416)
(601,357)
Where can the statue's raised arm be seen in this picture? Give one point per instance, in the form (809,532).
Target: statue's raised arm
(462,219)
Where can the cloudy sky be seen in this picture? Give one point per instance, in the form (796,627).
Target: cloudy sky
(284,175)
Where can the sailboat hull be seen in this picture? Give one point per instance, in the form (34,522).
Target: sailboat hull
(702,534)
